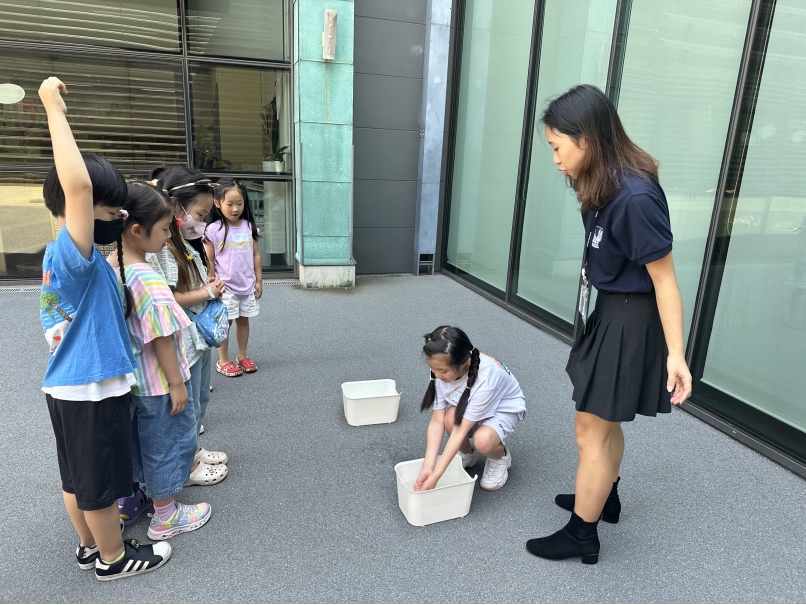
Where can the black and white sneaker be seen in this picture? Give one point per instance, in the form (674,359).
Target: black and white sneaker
(136,559)
(86,556)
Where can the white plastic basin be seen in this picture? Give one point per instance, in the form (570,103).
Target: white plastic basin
(370,402)
(450,499)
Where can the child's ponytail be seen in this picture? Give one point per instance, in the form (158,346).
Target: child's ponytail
(472,374)
(430,394)
(127,292)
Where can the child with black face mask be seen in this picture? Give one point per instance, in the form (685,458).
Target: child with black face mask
(90,371)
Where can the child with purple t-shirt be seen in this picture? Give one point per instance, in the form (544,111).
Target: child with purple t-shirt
(234,254)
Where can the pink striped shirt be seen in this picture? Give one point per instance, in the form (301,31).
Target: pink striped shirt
(155,314)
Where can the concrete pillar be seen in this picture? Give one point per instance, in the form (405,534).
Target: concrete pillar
(323,127)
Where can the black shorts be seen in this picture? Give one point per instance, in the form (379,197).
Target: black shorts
(94,446)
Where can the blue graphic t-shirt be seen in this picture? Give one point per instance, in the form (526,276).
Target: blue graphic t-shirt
(93,344)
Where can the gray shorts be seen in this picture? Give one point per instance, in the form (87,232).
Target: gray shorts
(502,423)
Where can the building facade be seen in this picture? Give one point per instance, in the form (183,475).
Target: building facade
(716,91)
(418,148)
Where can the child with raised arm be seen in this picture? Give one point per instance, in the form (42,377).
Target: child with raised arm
(234,254)
(90,371)
(469,394)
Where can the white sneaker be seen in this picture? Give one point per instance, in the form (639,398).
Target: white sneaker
(470,459)
(495,472)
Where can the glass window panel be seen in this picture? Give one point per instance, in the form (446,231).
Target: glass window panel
(240,117)
(131,113)
(251,29)
(141,25)
(758,340)
(26,226)
(271,204)
(680,115)
(492,93)
(577,37)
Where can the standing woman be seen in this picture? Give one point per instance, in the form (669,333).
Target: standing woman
(629,358)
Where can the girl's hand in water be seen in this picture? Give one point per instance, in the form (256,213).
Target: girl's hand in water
(179,398)
(421,480)
(51,91)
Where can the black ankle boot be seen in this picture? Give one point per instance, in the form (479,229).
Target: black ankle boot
(612,506)
(577,538)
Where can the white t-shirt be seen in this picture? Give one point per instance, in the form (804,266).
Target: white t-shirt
(93,391)
(495,390)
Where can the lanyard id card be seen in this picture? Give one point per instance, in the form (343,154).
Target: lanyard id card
(584,297)
(585,286)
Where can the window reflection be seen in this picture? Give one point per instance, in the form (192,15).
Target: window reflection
(241,119)
(250,29)
(130,113)
(141,25)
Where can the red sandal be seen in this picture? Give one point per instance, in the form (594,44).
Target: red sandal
(247,365)
(228,369)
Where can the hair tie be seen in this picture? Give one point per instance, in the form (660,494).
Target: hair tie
(432,378)
(124,214)
(153,182)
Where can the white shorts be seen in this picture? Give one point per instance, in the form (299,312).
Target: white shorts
(240,305)
(502,423)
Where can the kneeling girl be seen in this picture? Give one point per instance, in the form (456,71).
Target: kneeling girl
(470,394)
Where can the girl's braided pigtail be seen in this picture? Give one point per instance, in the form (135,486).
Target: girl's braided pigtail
(127,292)
(472,374)
(430,394)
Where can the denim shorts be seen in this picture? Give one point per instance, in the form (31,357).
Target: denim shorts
(200,379)
(163,446)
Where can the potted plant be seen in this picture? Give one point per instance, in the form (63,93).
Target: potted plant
(207,157)
(278,158)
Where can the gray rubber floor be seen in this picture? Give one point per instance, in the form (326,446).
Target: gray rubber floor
(309,511)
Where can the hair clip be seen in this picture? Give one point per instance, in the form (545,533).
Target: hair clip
(208,182)
(124,214)
(153,182)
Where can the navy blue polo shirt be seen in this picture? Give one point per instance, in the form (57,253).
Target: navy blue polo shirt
(632,230)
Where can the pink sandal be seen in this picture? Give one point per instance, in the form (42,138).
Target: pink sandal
(228,369)
(247,365)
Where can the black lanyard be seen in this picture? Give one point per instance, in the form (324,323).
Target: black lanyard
(588,240)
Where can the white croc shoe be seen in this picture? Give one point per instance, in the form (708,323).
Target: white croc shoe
(207,474)
(208,457)
(496,472)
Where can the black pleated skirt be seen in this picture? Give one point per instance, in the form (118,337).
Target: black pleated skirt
(618,363)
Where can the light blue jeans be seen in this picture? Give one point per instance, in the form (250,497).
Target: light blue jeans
(200,380)
(163,446)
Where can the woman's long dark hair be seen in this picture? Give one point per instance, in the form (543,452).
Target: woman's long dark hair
(146,205)
(584,112)
(455,345)
(172,179)
(217,216)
